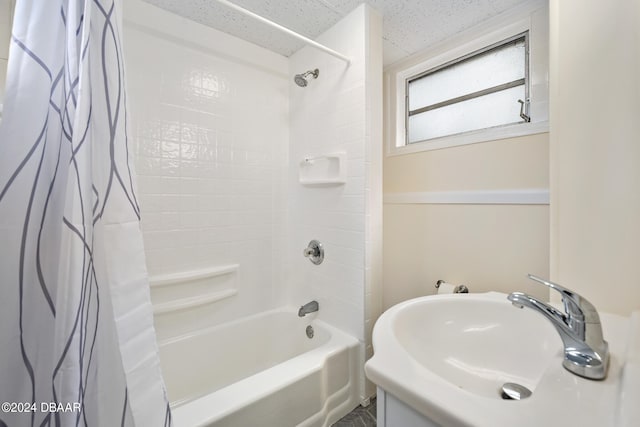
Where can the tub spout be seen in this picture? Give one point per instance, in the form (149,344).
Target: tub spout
(309,307)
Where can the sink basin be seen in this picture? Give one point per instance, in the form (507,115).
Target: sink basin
(448,356)
(478,345)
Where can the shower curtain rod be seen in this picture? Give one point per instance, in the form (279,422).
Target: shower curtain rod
(286,30)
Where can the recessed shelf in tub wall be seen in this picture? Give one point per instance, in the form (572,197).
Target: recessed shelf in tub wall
(326,169)
(188,289)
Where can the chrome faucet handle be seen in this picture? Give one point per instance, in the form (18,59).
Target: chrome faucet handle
(576,306)
(314,251)
(586,352)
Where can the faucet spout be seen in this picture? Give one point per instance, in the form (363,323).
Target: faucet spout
(557,318)
(586,353)
(309,307)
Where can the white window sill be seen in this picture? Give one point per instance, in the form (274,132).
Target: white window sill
(473,137)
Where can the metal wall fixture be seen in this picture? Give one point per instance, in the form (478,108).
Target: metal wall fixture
(315,252)
(460,289)
(301,79)
(309,331)
(310,307)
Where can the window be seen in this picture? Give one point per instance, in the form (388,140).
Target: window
(484,89)
(465,90)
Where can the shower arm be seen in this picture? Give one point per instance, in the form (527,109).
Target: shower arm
(285,30)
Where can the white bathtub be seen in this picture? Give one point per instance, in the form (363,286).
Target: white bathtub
(261,371)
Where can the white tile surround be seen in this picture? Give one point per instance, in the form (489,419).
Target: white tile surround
(339,111)
(209,119)
(219,129)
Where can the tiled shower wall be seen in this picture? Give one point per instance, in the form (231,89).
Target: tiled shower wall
(220,130)
(340,111)
(209,115)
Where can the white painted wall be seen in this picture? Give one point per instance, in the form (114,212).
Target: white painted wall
(373,185)
(209,120)
(340,111)
(595,151)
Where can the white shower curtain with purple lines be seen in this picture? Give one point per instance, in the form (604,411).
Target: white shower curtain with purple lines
(77,344)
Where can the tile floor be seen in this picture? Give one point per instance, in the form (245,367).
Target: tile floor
(359,417)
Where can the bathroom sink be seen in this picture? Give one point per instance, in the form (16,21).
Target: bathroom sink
(448,356)
(478,345)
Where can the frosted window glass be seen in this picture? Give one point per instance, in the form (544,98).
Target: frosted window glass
(495,109)
(497,66)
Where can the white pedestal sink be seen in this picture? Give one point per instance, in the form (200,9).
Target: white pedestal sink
(447,357)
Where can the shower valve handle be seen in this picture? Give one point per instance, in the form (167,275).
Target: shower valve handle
(314,251)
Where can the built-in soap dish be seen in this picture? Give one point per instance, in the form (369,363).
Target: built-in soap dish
(326,169)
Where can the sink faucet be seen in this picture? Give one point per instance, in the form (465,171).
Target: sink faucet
(586,353)
(309,307)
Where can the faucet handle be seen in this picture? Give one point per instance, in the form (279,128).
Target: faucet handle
(314,251)
(575,305)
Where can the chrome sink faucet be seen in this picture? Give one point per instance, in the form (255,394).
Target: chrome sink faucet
(309,307)
(586,353)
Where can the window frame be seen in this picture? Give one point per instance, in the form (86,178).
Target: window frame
(532,21)
(495,46)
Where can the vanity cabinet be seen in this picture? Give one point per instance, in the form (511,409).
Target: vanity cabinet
(392,412)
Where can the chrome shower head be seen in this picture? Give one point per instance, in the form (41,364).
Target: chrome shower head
(301,79)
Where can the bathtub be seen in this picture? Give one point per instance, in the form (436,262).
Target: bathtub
(262,370)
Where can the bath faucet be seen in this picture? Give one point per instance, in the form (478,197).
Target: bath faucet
(586,353)
(309,307)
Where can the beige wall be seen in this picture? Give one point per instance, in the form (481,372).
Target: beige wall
(595,150)
(513,163)
(487,247)
(439,221)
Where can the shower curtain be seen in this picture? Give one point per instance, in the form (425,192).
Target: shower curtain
(77,344)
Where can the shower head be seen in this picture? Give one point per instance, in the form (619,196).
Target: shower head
(301,79)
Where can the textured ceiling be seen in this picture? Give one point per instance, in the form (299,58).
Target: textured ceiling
(409,25)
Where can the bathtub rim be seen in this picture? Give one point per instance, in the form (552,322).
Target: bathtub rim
(203,410)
